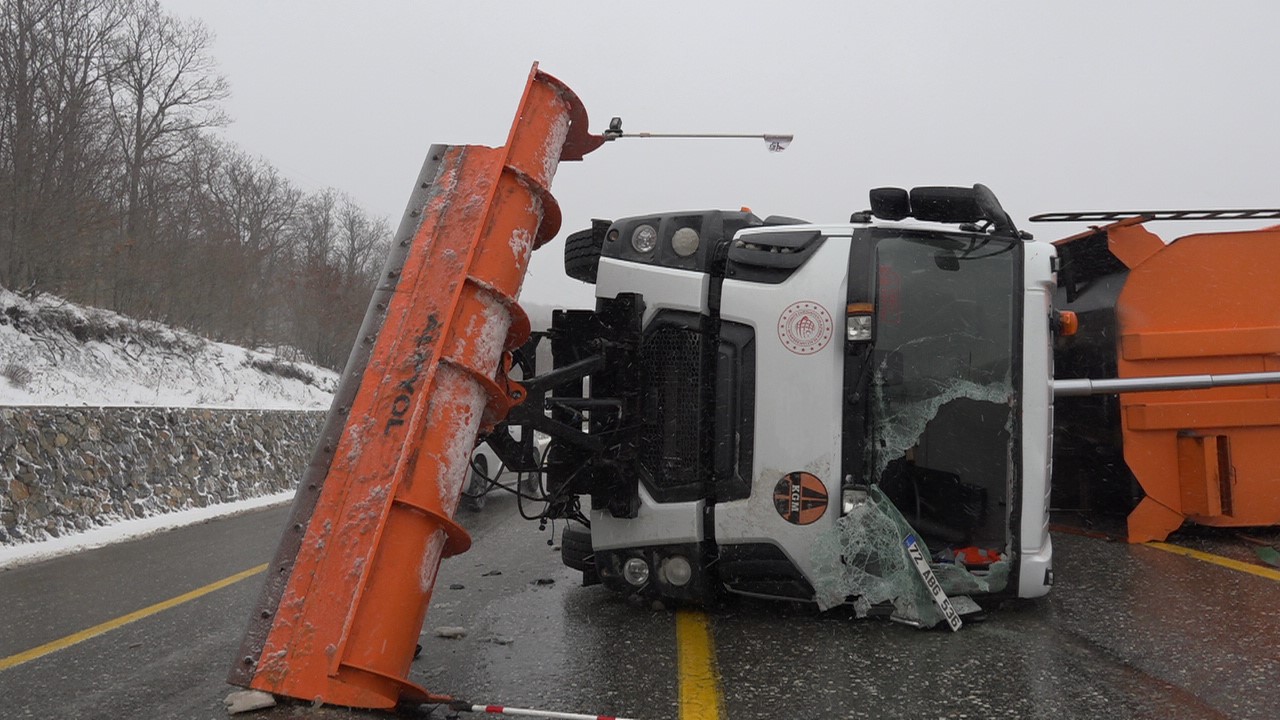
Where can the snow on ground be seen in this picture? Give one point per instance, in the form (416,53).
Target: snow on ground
(13,555)
(54,352)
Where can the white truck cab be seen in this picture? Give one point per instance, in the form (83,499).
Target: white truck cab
(775,407)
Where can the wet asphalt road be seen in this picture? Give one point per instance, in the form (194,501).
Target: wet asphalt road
(170,665)
(1128,632)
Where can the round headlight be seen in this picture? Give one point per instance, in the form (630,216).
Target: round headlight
(644,239)
(677,571)
(635,571)
(685,242)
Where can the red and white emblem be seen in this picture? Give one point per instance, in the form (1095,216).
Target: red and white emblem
(805,327)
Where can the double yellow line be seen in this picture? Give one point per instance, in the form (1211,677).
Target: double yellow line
(108,626)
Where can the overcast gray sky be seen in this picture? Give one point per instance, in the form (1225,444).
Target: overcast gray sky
(1057,106)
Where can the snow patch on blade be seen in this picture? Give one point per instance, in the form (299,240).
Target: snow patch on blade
(520,242)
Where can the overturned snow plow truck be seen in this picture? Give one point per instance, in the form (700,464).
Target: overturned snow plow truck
(853,413)
(774,407)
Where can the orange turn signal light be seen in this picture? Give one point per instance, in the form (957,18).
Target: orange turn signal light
(1068,323)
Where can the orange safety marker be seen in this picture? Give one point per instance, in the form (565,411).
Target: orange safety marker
(347,593)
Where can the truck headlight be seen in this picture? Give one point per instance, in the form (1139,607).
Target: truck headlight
(635,571)
(644,239)
(852,497)
(857,327)
(685,242)
(859,322)
(677,571)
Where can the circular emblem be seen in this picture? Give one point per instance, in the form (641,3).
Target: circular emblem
(800,498)
(805,327)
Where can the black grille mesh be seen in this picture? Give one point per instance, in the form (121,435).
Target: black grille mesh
(671,430)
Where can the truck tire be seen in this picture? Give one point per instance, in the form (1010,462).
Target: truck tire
(582,251)
(575,548)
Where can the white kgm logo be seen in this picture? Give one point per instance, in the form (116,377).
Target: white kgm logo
(805,327)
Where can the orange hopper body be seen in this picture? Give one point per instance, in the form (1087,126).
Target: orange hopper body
(349,588)
(1203,304)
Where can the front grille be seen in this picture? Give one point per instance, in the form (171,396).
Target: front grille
(669,441)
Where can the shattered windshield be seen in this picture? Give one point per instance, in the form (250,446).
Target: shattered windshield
(941,417)
(941,384)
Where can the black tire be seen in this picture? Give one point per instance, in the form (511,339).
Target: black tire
(575,548)
(477,485)
(582,251)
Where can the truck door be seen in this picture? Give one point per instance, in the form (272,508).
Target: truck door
(778,472)
(925,408)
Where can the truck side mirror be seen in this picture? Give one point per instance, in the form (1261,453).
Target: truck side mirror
(890,203)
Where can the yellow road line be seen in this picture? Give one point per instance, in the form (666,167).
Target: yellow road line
(108,626)
(1225,562)
(700,697)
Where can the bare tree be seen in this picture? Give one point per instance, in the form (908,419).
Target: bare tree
(113,192)
(316,230)
(78,161)
(162,86)
(257,209)
(51,119)
(360,241)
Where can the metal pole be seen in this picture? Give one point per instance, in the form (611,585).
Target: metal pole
(1115,386)
(757,136)
(527,712)
(776,142)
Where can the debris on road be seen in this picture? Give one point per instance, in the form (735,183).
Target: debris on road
(864,557)
(450,632)
(243,701)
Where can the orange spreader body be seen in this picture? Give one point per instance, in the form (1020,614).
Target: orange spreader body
(350,585)
(1204,304)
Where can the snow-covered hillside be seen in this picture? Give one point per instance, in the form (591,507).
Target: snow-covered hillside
(53,352)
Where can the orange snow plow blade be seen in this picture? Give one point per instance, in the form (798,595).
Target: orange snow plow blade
(1203,305)
(347,593)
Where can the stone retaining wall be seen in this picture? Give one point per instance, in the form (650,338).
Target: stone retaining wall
(67,469)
